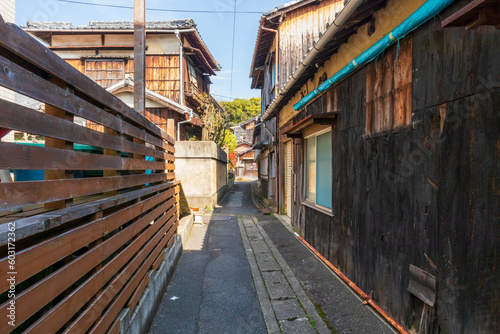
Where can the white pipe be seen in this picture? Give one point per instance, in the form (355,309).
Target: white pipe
(181,72)
(336,25)
(191,114)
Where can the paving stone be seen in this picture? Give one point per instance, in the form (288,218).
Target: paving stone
(298,326)
(277,285)
(267,262)
(288,309)
(261,247)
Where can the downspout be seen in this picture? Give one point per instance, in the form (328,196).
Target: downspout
(337,25)
(191,114)
(181,72)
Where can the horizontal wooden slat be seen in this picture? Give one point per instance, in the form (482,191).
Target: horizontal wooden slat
(16,117)
(34,298)
(18,156)
(134,299)
(39,256)
(30,226)
(115,327)
(92,312)
(62,312)
(112,312)
(22,81)
(158,262)
(20,43)
(18,194)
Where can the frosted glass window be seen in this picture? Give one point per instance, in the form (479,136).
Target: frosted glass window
(318,171)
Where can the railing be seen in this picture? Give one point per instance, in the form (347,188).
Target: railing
(76,251)
(197,96)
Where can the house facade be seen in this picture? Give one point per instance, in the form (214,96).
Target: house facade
(387,149)
(178,64)
(284,36)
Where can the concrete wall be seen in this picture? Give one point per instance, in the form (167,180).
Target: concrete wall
(201,166)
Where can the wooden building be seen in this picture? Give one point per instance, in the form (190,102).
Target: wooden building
(388,148)
(178,63)
(246,168)
(285,34)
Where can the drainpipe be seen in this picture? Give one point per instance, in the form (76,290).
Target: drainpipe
(181,72)
(336,25)
(191,114)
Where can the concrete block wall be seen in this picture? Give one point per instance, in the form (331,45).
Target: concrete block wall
(139,321)
(201,166)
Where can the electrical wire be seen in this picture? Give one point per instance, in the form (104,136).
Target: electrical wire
(159,9)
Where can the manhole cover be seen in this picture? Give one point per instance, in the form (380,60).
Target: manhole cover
(220,218)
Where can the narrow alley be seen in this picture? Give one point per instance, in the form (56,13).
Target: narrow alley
(242,271)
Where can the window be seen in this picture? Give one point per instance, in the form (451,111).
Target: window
(264,167)
(192,75)
(389,90)
(318,165)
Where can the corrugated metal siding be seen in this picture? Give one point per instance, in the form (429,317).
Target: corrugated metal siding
(288,178)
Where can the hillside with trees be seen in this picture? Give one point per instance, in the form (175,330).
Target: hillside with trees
(240,110)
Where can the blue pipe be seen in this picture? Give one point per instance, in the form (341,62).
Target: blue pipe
(427,11)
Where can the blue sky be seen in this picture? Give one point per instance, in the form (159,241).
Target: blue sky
(216,29)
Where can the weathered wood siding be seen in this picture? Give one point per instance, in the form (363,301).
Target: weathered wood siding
(432,189)
(162,73)
(298,31)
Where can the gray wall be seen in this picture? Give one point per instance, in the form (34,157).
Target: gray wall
(201,166)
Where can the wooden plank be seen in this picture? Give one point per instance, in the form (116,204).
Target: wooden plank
(134,299)
(38,123)
(34,298)
(115,327)
(135,252)
(18,194)
(93,311)
(19,157)
(41,255)
(22,81)
(105,321)
(159,260)
(30,226)
(19,42)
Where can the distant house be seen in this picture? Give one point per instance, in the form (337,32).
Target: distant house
(384,118)
(104,52)
(246,168)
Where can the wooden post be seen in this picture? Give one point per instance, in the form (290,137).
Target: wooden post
(139,55)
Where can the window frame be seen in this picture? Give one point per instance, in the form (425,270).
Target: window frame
(308,202)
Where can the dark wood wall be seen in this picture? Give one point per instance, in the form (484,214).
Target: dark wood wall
(431,188)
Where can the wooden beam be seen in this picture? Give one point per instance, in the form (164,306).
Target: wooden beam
(139,56)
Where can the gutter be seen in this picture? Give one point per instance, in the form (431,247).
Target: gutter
(337,25)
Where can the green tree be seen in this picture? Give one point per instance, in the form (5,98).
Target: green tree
(215,121)
(230,141)
(241,110)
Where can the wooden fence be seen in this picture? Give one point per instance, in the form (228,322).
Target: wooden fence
(84,246)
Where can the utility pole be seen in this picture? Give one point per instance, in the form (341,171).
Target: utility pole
(139,56)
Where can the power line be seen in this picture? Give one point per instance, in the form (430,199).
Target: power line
(232,53)
(160,9)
